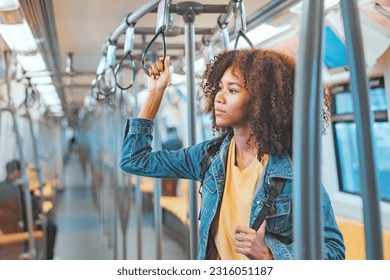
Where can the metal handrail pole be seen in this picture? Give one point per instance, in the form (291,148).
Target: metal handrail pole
(138,196)
(138,214)
(365,140)
(307,210)
(157,198)
(269,11)
(114,179)
(189,18)
(253,20)
(133,18)
(223,20)
(39,173)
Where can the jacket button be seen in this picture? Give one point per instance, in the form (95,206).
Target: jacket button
(258,202)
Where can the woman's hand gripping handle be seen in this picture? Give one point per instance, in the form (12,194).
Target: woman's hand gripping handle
(159,75)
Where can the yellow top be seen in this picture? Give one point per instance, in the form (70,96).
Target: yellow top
(236,204)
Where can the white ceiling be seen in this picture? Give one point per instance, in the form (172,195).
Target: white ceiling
(84,26)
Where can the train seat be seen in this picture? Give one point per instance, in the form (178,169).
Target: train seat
(353,233)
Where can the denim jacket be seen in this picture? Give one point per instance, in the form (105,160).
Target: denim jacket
(138,158)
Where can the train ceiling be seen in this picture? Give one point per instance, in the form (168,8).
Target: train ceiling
(84,26)
(81,28)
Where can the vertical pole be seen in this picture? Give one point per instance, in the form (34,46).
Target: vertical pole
(363,119)
(36,152)
(26,190)
(139,214)
(122,198)
(40,177)
(386,65)
(118,174)
(114,182)
(157,199)
(106,181)
(307,220)
(138,198)
(189,18)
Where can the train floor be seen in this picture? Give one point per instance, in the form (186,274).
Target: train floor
(81,234)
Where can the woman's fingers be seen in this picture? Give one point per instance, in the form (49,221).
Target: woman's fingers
(158,68)
(159,65)
(166,62)
(241,229)
(155,70)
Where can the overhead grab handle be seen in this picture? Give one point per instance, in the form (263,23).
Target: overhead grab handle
(162,16)
(240,24)
(128,47)
(102,65)
(148,47)
(225,40)
(208,50)
(111,55)
(129,39)
(239,17)
(97,87)
(30,96)
(161,28)
(106,80)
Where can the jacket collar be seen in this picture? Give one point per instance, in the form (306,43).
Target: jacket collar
(280,167)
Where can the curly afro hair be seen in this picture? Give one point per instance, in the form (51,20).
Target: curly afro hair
(269,79)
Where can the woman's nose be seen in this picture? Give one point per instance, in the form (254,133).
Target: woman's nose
(219,98)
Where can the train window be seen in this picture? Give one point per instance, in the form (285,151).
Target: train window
(343,101)
(344,131)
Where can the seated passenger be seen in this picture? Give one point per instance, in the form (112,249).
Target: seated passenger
(10,216)
(14,172)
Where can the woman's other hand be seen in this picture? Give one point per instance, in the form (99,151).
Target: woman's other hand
(251,243)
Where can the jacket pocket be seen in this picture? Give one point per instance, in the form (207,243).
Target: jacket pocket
(280,220)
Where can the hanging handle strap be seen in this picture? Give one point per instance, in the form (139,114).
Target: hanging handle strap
(224,32)
(161,29)
(128,47)
(240,24)
(106,79)
(242,34)
(148,47)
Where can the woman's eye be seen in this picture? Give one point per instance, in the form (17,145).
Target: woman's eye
(232,91)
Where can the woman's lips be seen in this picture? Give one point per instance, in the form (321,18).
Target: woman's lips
(218,112)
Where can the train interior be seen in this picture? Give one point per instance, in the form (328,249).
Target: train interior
(71,73)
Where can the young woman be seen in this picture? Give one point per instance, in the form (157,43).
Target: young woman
(249,94)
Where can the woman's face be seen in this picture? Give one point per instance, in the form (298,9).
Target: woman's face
(231,101)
